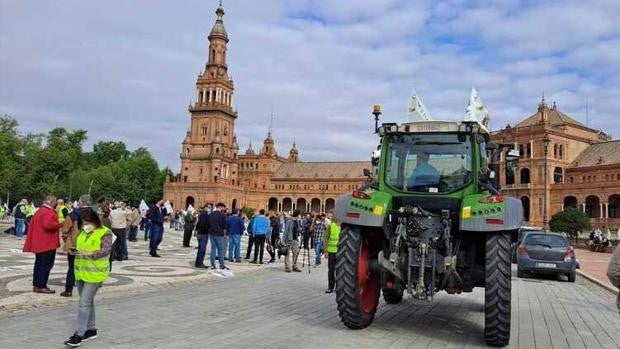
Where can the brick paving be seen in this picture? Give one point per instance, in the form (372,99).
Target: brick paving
(273,309)
(594,264)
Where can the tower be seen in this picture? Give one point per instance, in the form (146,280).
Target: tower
(210,149)
(293,155)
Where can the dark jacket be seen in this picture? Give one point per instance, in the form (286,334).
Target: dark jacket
(235,225)
(202,225)
(216,223)
(189,221)
(156,215)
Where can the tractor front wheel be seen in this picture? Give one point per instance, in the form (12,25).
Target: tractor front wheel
(497,289)
(358,287)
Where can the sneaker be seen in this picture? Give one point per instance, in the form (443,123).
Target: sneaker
(66,294)
(253,262)
(329,290)
(238,261)
(74,341)
(201,266)
(89,334)
(224,268)
(297,270)
(287,270)
(213,267)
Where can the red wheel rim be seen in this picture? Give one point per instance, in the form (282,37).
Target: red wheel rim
(368,282)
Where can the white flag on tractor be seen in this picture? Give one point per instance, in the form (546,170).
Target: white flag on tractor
(476,110)
(417,107)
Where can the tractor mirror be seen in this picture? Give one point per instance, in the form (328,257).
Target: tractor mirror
(367,173)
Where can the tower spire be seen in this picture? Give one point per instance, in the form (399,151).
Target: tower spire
(270,124)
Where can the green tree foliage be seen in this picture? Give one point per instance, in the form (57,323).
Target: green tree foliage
(570,221)
(37,164)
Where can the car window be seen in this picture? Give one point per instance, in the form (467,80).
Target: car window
(545,240)
(522,233)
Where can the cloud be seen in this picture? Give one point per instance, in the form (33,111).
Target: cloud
(126,70)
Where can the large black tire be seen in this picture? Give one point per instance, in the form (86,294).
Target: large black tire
(358,288)
(497,289)
(572,276)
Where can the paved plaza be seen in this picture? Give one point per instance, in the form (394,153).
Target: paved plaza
(263,307)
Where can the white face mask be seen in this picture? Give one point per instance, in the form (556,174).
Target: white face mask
(89,227)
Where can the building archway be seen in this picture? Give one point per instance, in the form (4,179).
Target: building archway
(315,205)
(234,204)
(570,201)
(558,175)
(593,208)
(525,175)
(272,204)
(302,204)
(525,201)
(613,207)
(190,201)
(287,205)
(330,204)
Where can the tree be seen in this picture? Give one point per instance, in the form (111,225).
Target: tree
(106,152)
(570,221)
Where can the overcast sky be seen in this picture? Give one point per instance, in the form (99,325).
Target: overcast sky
(125,70)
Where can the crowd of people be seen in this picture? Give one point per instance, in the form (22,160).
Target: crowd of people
(94,235)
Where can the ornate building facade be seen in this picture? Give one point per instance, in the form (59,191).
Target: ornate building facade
(214,170)
(583,168)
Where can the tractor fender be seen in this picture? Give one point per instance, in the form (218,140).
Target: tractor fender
(369,213)
(476,217)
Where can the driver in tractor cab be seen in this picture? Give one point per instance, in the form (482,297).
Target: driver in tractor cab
(424,174)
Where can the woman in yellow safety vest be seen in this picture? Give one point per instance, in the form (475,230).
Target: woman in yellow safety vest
(92,266)
(330,239)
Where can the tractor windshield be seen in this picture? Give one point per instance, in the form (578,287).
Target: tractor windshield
(429,163)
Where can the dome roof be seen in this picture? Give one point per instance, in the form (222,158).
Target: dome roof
(218,29)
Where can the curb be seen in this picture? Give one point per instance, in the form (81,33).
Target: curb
(598,282)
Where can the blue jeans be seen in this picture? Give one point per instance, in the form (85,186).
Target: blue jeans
(202,249)
(217,243)
(157,234)
(318,249)
(234,247)
(20,227)
(86,312)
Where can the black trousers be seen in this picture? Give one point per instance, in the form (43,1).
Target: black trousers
(70,282)
(187,237)
(43,264)
(273,242)
(259,246)
(331,264)
(250,244)
(119,247)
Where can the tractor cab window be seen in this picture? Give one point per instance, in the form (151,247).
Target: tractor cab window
(429,163)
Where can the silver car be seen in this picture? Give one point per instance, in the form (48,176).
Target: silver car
(546,253)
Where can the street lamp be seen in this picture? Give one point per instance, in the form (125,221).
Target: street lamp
(546,141)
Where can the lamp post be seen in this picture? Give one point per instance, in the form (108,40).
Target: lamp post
(546,141)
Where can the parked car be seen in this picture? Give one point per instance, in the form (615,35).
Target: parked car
(519,237)
(546,253)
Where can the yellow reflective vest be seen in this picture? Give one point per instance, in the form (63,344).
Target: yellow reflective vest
(61,217)
(334,235)
(91,270)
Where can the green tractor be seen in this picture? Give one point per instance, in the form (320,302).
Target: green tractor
(430,220)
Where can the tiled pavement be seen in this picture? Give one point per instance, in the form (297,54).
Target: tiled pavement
(273,309)
(139,274)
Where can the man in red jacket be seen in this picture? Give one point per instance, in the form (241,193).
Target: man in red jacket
(43,240)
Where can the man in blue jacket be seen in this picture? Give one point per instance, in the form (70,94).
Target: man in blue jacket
(259,229)
(235,230)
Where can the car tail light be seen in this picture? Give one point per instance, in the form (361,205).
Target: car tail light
(493,199)
(358,194)
(522,251)
(569,255)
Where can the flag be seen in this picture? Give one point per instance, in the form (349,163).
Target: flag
(168,207)
(143,207)
(191,209)
(476,110)
(416,107)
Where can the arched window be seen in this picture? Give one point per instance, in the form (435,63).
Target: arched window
(558,175)
(593,206)
(570,201)
(525,175)
(200,97)
(525,201)
(529,150)
(521,150)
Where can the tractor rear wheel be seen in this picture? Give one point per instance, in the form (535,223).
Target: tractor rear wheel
(497,289)
(358,287)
